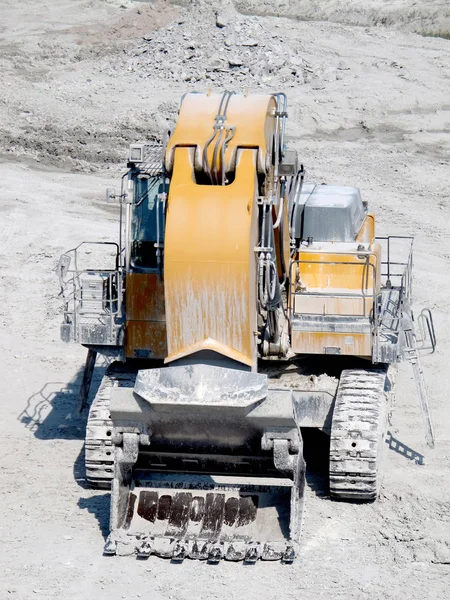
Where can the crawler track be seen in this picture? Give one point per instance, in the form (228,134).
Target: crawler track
(357,434)
(99,449)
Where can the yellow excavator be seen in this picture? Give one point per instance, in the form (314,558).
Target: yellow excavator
(242,305)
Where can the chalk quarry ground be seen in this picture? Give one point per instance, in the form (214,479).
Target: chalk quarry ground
(368,106)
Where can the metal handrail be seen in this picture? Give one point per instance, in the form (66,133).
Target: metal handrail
(70,281)
(388,261)
(404,285)
(427,340)
(325,292)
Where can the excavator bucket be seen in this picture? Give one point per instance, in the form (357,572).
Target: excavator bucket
(207,517)
(216,481)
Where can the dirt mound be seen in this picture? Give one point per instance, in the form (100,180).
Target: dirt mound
(427,18)
(114,75)
(221,47)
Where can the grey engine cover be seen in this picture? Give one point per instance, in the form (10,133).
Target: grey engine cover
(331,213)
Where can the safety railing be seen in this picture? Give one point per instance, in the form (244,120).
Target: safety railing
(368,283)
(396,268)
(78,307)
(425,334)
(389,289)
(396,278)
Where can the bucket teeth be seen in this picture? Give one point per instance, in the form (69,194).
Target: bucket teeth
(288,555)
(110,548)
(200,551)
(216,553)
(144,548)
(180,552)
(273,551)
(213,552)
(236,551)
(253,553)
(164,547)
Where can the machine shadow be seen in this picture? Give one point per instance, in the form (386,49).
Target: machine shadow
(99,507)
(404,450)
(316,449)
(51,412)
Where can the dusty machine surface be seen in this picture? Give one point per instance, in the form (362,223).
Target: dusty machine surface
(242,305)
